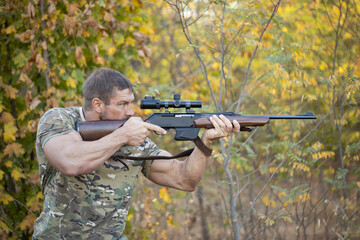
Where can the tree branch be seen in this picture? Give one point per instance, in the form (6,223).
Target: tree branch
(254,53)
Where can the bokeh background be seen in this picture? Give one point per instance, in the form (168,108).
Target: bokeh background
(287,180)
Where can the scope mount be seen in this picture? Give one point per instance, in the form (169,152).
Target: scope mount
(149,102)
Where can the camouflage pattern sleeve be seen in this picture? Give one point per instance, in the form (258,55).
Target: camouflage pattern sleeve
(150,150)
(55,122)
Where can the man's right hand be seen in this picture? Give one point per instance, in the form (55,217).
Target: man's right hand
(136,130)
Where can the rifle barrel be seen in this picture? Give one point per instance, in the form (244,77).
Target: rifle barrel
(308,115)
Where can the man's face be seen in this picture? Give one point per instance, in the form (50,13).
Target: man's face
(120,106)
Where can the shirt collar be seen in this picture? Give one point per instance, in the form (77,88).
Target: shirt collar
(82,117)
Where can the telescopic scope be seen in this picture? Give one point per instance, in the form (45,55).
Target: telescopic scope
(152,103)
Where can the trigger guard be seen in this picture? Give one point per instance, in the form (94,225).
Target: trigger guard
(186,134)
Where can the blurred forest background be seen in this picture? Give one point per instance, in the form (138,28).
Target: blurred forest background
(287,180)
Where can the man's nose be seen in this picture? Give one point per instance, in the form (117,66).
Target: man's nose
(129,111)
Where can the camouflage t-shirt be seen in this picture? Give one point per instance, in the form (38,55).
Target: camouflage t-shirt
(89,206)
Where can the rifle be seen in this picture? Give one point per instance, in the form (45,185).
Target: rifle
(187,125)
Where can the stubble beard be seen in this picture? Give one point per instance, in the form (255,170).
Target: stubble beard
(104,116)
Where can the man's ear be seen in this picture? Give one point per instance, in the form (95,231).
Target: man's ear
(98,105)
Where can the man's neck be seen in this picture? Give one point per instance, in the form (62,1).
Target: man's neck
(90,115)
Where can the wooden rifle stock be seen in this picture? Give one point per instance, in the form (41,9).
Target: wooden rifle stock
(204,122)
(94,130)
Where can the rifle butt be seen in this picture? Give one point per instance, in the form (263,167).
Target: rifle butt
(94,130)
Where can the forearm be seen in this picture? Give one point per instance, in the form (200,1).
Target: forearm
(186,175)
(194,167)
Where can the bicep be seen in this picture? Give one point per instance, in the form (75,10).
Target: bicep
(55,148)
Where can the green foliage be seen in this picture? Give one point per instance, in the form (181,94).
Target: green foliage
(48,47)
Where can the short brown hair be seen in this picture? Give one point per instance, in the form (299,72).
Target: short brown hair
(102,83)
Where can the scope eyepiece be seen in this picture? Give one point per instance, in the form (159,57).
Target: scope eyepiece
(152,103)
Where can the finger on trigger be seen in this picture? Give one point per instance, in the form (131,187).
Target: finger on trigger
(155,128)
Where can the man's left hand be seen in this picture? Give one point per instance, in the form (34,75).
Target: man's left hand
(223,127)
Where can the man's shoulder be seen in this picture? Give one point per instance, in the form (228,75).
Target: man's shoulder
(55,114)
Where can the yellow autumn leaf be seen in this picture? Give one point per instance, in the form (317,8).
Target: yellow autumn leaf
(130,41)
(17,174)
(341,70)
(14,149)
(62,71)
(301,166)
(317,146)
(282,194)
(4,227)
(8,164)
(108,17)
(129,217)
(78,54)
(164,62)
(287,219)
(24,78)
(5,198)
(100,60)
(262,106)
(10,132)
(147,63)
(272,169)
(137,3)
(10,91)
(70,82)
(266,201)
(191,5)
(269,222)
(27,223)
(40,62)
(1,175)
(10,29)
(146,29)
(7,117)
(22,115)
(119,40)
(111,51)
(164,195)
(169,220)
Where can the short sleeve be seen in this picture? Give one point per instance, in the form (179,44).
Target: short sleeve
(53,123)
(150,150)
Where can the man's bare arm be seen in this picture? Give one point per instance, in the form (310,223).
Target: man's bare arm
(72,156)
(186,175)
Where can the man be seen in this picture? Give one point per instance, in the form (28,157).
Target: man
(86,191)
